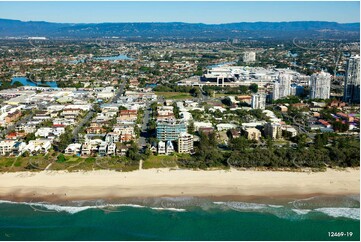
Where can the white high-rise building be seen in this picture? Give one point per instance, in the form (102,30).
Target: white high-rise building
(320,85)
(249,56)
(282,87)
(258,101)
(352,80)
(185,143)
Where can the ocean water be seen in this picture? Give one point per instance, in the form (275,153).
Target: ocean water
(182,218)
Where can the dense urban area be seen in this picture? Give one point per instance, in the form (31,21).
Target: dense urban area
(123,105)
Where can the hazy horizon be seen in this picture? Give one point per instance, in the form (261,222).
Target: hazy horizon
(181,22)
(186,12)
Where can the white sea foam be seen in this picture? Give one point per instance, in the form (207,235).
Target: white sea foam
(301,211)
(242,205)
(51,207)
(275,206)
(169,209)
(352,213)
(68,209)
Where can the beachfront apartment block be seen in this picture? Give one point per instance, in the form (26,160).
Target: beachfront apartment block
(185,143)
(170,129)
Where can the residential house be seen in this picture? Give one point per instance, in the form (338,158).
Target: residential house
(73,149)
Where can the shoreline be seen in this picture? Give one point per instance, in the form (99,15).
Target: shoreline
(217,185)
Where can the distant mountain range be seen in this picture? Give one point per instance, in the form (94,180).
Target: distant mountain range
(243,30)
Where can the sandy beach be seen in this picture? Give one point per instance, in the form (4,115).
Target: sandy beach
(58,186)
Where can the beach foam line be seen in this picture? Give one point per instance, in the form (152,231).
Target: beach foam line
(243,205)
(53,207)
(169,209)
(292,213)
(301,211)
(352,213)
(69,209)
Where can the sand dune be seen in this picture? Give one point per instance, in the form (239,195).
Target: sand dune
(164,182)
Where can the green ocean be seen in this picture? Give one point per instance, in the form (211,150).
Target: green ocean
(182,218)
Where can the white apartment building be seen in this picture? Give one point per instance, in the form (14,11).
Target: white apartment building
(320,85)
(282,87)
(258,101)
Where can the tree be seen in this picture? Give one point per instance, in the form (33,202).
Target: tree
(176,110)
(195,92)
(243,89)
(321,140)
(60,158)
(65,139)
(300,140)
(254,88)
(199,71)
(191,127)
(339,126)
(133,152)
(227,101)
(28,137)
(240,144)
(147,152)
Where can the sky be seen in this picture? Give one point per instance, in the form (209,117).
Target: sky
(190,12)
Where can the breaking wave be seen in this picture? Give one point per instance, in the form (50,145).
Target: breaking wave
(314,207)
(351,213)
(39,206)
(293,211)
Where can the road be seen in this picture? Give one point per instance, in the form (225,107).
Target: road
(204,97)
(91,112)
(142,141)
(81,124)
(120,92)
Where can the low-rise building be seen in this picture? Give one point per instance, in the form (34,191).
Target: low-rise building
(73,149)
(161,148)
(6,147)
(253,134)
(289,131)
(11,117)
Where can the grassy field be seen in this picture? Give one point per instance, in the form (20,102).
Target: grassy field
(71,163)
(174,95)
(217,95)
(77,163)
(160,161)
(164,161)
